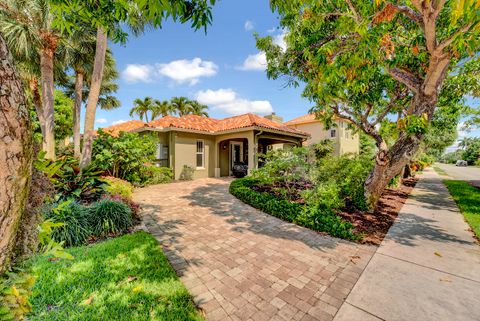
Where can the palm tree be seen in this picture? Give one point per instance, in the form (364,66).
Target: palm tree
(27,26)
(141,108)
(198,109)
(162,109)
(181,105)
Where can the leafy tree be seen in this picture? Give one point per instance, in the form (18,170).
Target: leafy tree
(184,106)
(369,61)
(162,109)
(63,115)
(471,151)
(108,17)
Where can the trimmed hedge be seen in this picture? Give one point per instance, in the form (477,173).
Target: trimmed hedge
(309,216)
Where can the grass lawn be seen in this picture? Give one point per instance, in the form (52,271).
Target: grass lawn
(468,200)
(126,278)
(440,171)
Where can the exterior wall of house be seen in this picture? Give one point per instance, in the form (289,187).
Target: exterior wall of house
(223,155)
(343,140)
(185,153)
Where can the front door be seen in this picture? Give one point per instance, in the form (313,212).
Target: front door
(236,154)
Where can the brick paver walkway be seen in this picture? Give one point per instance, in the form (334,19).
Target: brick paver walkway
(242,264)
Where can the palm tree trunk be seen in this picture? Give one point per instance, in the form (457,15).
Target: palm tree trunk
(76,113)
(46,69)
(37,102)
(99,64)
(15,156)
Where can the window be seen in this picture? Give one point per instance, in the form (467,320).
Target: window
(333,133)
(162,155)
(200,154)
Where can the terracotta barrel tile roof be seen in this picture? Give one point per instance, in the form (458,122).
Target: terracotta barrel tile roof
(206,124)
(308,118)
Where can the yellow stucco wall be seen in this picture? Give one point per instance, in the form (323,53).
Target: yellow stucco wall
(185,154)
(344,142)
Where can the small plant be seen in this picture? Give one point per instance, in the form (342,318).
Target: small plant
(127,201)
(15,289)
(152,175)
(109,217)
(74,218)
(117,186)
(187,173)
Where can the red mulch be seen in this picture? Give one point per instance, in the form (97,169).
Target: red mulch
(374,226)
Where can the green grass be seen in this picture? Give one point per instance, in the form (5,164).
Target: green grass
(126,278)
(468,200)
(440,171)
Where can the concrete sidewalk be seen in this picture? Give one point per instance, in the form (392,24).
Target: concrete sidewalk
(427,267)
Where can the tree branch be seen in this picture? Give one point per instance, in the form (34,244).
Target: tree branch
(410,13)
(406,78)
(447,42)
(352,8)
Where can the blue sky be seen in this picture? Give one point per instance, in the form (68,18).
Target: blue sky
(222,69)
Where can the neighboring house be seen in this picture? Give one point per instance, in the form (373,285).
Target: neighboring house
(345,141)
(211,146)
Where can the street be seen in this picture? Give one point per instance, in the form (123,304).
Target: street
(470,173)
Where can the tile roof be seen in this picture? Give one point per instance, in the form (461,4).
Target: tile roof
(206,124)
(308,118)
(127,126)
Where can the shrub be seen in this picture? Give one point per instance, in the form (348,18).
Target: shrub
(117,186)
(108,216)
(69,182)
(123,156)
(156,175)
(316,217)
(187,173)
(134,207)
(75,218)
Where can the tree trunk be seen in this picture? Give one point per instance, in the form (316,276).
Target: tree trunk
(76,113)
(15,154)
(95,84)
(390,162)
(46,68)
(37,102)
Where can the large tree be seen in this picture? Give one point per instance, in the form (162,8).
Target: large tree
(29,24)
(15,154)
(369,62)
(141,108)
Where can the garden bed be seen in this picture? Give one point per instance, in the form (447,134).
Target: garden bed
(374,226)
(126,278)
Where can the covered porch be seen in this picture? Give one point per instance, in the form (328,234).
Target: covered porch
(245,148)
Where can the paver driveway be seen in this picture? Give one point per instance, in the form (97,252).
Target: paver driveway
(242,264)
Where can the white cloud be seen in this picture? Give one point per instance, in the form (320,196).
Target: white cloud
(255,62)
(187,71)
(249,25)
(279,40)
(138,73)
(101,121)
(117,122)
(181,71)
(228,101)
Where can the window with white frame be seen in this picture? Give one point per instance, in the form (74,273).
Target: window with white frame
(200,154)
(333,133)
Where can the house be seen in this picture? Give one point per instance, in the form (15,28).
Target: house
(211,146)
(344,140)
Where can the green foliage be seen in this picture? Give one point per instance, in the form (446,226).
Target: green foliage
(69,181)
(452,157)
(367,146)
(125,278)
(467,198)
(108,217)
(156,175)
(187,173)
(124,156)
(117,186)
(75,228)
(15,289)
(314,217)
(471,151)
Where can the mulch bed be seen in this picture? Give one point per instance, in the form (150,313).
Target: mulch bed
(374,226)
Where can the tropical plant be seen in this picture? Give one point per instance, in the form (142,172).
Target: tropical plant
(369,61)
(117,186)
(471,151)
(184,106)
(162,109)
(141,108)
(70,183)
(187,173)
(109,217)
(28,26)
(124,156)
(156,175)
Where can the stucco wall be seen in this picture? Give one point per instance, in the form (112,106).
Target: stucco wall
(185,154)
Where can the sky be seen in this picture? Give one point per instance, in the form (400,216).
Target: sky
(222,68)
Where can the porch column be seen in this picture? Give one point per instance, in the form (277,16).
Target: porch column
(251,152)
(217,158)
